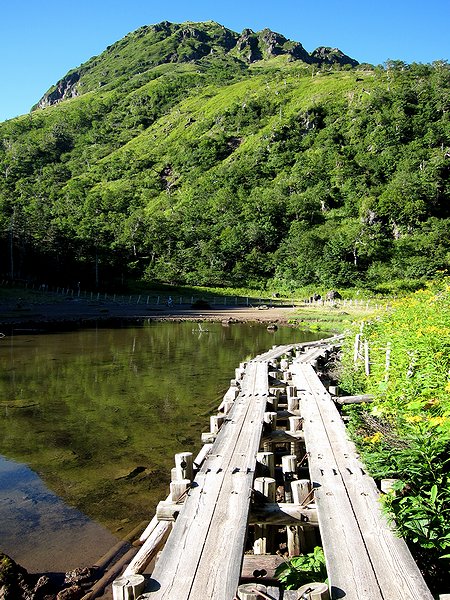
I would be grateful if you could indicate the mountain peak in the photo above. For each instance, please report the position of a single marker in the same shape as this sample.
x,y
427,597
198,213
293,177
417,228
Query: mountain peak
x,y
162,43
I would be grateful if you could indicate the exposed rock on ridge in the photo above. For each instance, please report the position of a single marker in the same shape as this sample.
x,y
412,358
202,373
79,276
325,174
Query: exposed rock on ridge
x,y
65,88
330,56
165,42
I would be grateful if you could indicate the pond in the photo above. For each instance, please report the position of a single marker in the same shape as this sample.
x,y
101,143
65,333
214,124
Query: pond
x,y
98,414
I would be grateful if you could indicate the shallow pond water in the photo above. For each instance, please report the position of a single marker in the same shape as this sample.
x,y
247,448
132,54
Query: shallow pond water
x,y
98,414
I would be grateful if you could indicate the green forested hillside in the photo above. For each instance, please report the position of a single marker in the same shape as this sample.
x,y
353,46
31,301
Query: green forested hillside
x,y
190,154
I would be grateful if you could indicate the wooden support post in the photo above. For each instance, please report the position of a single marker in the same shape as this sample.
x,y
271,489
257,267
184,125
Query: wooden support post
x,y
264,534
178,489
366,358
184,462
272,402
249,591
301,491
267,487
270,424
289,465
216,423
284,364
270,421
295,540
386,485
128,588
293,533
291,391
265,464
314,591
305,536
274,391
239,371
166,510
293,403
229,397
295,425
208,437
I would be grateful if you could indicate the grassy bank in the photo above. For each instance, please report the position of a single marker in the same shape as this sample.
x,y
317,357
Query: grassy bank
x,y
404,434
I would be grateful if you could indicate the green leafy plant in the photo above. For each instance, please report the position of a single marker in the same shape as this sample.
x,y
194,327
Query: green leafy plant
x,y
405,433
299,570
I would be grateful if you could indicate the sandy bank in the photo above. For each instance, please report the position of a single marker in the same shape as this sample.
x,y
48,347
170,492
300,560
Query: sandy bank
x,y
76,312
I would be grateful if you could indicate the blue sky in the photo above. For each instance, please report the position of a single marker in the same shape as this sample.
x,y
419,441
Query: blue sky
x,y
41,41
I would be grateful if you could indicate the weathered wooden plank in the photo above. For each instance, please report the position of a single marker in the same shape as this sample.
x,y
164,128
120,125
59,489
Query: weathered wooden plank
x,y
280,435
193,564
148,551
260,565
354,399
276,513
218,575
283,513
349,568
394,567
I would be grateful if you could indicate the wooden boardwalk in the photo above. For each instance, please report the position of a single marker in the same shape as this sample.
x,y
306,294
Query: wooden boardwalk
x,y
199,559
203,557
365,560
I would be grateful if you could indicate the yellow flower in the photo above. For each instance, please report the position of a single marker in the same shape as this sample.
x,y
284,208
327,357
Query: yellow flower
x,y
437,421
413,419
375,438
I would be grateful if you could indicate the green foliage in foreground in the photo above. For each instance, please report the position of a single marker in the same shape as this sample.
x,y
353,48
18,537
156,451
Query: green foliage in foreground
x,y
185,166
405,433
302,569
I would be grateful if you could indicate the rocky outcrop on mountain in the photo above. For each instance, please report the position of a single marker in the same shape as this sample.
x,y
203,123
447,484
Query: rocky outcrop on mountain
x,y
154,45
332,56
275,44
248,47
65,88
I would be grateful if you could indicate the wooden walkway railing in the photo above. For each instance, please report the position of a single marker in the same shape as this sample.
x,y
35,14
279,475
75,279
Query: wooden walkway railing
x,y
203,557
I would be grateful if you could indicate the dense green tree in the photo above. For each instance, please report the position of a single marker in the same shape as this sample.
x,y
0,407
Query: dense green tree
x,y
181,161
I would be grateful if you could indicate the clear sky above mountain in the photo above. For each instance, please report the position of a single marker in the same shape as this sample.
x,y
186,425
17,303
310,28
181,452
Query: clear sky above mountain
x,y
41,41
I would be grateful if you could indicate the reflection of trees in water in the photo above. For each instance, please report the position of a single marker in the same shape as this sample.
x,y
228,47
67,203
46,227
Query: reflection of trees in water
x,y
103,402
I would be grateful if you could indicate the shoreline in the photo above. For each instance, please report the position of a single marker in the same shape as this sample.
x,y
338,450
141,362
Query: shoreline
x,y
40,318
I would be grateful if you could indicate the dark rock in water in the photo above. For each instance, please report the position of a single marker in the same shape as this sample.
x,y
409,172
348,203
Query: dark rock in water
x,y
136,471
14,583
80,576
44,587
74,592
17,584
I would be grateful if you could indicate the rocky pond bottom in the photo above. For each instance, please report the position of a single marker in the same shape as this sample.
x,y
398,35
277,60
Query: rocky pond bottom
x,y
40,531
